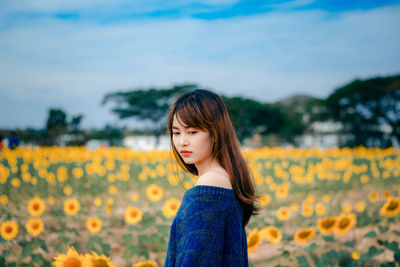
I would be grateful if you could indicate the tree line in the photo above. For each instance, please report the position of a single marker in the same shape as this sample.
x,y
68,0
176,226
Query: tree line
x,y
367,110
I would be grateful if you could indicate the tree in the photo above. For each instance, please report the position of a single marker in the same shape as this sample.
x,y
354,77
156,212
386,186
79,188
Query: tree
x,y
369,110
251,117
56,124
76,123
146,104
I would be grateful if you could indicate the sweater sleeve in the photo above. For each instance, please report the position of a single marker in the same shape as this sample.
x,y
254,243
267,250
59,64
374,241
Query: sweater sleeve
x,y
200,234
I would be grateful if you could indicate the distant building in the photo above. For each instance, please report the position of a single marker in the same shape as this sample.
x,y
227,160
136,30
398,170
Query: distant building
x,y
147,142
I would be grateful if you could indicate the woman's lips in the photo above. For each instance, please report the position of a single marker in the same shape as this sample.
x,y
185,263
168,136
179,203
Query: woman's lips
x,y
185,153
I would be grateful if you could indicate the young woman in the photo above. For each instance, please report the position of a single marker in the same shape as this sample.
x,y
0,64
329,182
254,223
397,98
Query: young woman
x,y
208,229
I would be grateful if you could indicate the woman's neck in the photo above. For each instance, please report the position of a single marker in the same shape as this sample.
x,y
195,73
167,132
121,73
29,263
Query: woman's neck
x,y
208,165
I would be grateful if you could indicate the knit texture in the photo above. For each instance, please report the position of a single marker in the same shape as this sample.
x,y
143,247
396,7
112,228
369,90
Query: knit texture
x,y
208,230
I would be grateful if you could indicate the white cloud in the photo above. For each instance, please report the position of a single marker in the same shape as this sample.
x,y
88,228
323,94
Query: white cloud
x,y
267,56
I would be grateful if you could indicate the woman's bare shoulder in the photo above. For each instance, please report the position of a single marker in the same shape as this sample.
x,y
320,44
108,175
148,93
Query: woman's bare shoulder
x,y
212,178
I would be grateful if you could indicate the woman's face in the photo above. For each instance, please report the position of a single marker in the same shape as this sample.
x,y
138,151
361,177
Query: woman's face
x,y
192,144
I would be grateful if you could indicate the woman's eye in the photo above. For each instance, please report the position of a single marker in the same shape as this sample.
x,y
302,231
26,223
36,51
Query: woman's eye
x,y
175,133
192,132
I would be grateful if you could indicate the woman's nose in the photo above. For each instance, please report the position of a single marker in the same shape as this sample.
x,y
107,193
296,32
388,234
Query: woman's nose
x,y
183,140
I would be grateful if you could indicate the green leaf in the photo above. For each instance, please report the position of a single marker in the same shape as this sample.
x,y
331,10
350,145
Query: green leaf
x,y
372,252
286,254
59,248
43,245
312,247
127,238
129,252
302,260
106,249
393,246
396,232
95,239
383,229
370,234
349,244
37,258
26,250
329,238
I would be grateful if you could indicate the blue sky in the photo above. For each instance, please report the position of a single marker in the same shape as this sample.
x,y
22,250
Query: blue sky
x,y
69,54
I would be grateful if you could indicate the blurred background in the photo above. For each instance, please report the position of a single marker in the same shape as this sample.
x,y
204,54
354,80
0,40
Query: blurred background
x,y
312,88
292,73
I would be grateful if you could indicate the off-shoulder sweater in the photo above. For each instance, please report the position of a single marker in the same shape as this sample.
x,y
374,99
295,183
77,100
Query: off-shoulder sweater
x,y
208,230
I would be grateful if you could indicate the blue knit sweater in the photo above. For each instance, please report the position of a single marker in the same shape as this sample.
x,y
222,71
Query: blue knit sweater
x,y
208,230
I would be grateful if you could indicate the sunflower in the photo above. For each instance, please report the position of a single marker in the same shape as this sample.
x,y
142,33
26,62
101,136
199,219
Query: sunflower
x,y
355,255
346,207
95,260
307,209
62,173
253,241
320,209
272,234
112,189
304,235
71,206
345,222
133,215
282,191
360,206
294,207
9,230
391,207
34,226
77,172
145,264
154,192
134,197
36,206
283,214
97,201
373,197
70,259
326,225
93,225
16,182
68,190
3,199
264,200
170,208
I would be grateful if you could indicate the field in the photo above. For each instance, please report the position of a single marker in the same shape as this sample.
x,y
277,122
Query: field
x,y
336,207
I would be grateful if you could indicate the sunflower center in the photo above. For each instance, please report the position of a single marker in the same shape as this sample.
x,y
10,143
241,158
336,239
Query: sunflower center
x,y
274,233
393,205
154,192
35,206
253,240
71,206
328,223
94,224
134,213
173,206
344,223
99,263
35,226
304,234
9,229
72,262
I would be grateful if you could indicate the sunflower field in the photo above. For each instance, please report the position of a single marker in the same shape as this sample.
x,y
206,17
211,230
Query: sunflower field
x,y
114,207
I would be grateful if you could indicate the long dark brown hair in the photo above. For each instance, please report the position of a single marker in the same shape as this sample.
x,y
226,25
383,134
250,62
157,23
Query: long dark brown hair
x,y
205,110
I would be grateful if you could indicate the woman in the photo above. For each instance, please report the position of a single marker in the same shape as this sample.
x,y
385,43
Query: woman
x,y
208,229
